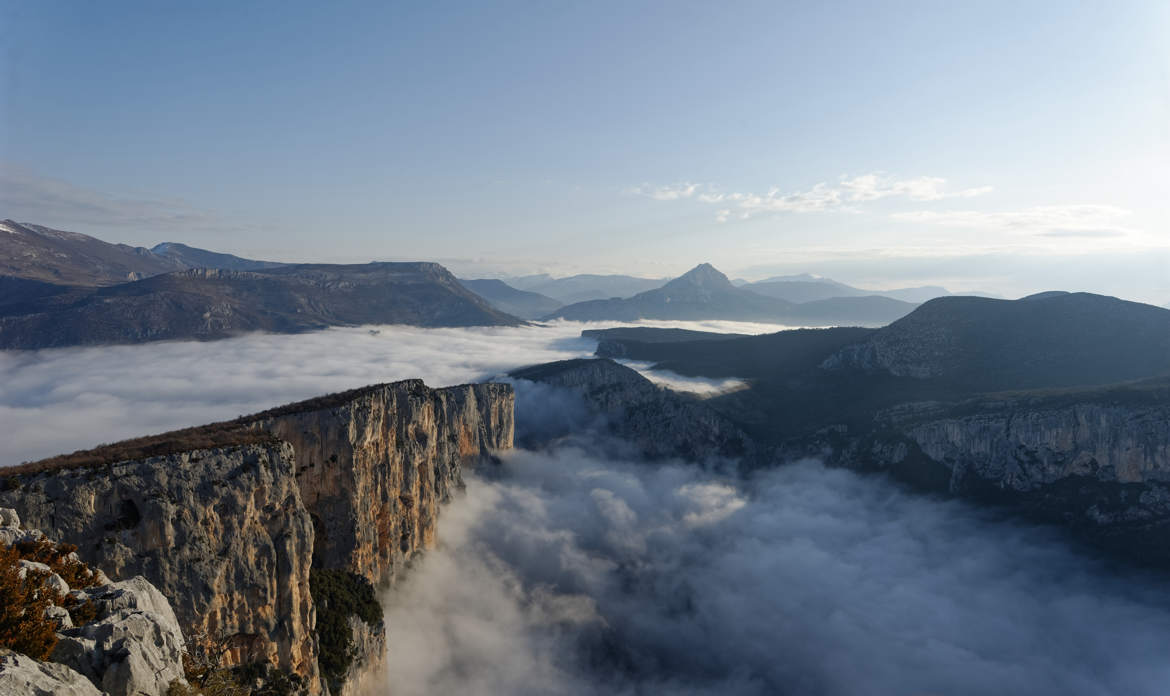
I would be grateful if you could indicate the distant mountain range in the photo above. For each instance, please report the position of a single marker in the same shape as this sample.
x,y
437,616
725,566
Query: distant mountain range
x,y
580,288
63,289
524,304
50,283
211,303
191,257
33,252
810,288
705,293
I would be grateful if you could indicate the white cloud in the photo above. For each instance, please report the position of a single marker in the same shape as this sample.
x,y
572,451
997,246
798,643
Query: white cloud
x,y
821,197
1074,221
109,393
874,186
671,192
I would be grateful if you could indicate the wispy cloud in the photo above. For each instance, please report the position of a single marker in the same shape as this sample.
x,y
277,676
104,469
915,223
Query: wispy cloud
x,y
823,196
670,192
35,198
1079,221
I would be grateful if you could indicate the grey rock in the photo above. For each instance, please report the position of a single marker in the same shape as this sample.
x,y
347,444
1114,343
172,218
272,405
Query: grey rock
x,y
128,652
21,675
60,616
9,518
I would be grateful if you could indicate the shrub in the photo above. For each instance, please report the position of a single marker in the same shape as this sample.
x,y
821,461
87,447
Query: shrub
x,y
338,595
23,601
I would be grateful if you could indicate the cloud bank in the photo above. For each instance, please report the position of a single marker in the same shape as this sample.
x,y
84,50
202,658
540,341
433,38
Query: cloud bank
x,y
821,197
574,569
60,400
572,573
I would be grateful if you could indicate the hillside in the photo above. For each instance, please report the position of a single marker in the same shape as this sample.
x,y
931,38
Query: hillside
x,y
209,304
521,303
43,254
809,288
585,286
1045,340
192,257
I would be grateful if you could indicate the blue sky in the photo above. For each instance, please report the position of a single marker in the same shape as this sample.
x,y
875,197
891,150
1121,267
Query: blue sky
x,y
1008,147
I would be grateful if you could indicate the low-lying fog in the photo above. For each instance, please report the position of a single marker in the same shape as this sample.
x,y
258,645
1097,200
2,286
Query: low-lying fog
x,y
565,571
60,400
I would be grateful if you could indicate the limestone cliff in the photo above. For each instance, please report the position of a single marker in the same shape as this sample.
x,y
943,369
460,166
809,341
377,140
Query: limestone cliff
x,y
658,421
221,532
373,466
1096,461
229,530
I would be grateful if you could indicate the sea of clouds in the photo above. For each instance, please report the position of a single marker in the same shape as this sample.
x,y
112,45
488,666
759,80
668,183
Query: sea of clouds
x,y
60,400
572,570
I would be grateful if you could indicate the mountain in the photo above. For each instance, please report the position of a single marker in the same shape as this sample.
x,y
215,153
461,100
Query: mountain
x,y
53,256
660,423
810,288
191,257
705,293
580,288
209,304
521,303
1054,405
1052,339
866,310
701,293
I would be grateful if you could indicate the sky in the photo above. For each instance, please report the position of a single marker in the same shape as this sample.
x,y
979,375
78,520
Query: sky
x,y
1007,147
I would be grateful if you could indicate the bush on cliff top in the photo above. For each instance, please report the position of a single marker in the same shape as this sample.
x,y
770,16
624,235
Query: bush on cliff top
x,y
23,601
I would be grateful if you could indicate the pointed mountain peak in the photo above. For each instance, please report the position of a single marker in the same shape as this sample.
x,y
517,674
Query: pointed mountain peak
x,y
704,275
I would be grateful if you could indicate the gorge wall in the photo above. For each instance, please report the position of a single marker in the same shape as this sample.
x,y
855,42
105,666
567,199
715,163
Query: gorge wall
x,y
229,533
1095,461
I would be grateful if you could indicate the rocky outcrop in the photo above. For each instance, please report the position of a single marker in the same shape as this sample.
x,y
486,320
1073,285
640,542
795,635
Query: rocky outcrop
x,y
128,643
1095,461
658,421
229,532
134,646
21,675
1025,449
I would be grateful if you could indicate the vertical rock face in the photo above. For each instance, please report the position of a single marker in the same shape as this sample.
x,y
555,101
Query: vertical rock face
x,y
1095,462
228,533
374,467
222,533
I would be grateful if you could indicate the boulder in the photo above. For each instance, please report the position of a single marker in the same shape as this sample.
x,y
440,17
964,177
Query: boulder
x,y
23,676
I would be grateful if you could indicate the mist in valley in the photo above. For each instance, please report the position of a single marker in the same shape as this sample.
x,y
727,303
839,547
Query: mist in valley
x,y
575,568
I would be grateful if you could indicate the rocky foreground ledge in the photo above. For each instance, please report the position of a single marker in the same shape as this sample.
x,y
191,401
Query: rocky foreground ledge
x,y
268,534
79,633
